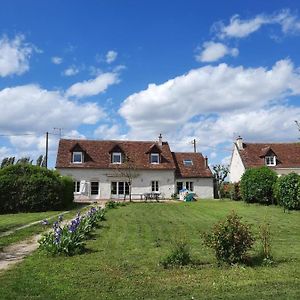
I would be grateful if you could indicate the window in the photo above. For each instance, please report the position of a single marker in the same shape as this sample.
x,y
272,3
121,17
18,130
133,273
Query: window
x,y
119,187
77,187
270,160
154,186
154,158
187,162
117,158
189,185
77,157
179,186
94,188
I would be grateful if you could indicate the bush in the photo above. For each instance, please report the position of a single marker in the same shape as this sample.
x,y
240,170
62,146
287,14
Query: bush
x,y
257,185
230,239
231,190
24,187
287,191
180,256
69,239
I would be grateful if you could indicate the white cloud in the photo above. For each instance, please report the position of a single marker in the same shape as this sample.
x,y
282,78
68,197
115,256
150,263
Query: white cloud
x,y
212,51
111,56
71,71
14,55
56,60
239,28
109,132
29,108
93,87
208,90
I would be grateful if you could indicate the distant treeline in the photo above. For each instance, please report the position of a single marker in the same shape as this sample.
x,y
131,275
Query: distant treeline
x,y
8,161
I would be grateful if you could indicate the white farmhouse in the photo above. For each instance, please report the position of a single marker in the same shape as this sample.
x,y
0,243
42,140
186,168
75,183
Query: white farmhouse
x,y
102,169
283,158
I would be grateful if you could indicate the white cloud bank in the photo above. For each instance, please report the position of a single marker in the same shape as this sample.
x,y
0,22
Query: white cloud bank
x,y
239,28
214,103
94,86
14,55
212,51
29,108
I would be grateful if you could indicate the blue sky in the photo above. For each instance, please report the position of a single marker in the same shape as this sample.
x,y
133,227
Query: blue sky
x,y
133,69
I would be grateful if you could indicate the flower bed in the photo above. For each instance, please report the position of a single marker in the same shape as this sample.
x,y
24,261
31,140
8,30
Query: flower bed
x,y
69,239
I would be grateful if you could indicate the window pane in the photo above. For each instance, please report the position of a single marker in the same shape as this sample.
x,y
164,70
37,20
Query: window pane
x,y
94,188
179,186
191,186
77,157
114,188
126,188
154,158
121,188
154,186
116,158
188,162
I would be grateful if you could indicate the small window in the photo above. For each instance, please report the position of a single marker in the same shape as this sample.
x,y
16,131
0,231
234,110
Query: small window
x,y
117,158
154,186
76,187
94,188
77,157
270,160
187,162
154,158
179,186
189,185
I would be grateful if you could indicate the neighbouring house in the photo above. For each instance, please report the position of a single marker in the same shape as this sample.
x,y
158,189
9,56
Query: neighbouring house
x,y
283,158
102,169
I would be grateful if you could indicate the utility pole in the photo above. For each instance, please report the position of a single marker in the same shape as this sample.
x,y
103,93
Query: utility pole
x,y
46,156
195,145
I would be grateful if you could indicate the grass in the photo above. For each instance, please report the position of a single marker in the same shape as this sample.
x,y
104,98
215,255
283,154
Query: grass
x,y
122,260
12,221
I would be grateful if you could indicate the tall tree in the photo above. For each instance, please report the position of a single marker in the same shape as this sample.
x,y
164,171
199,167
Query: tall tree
x,y
7,161
40,160
220,173
24,160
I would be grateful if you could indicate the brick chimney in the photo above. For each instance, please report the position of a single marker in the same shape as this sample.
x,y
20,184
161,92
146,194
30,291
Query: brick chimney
x,y
239,143
160,140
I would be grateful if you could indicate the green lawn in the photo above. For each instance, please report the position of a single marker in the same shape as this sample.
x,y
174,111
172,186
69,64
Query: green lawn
x,y
12,221
122,259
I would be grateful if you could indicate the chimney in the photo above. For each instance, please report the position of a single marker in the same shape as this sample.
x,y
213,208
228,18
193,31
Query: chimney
x,y
206,161
239,143
160,140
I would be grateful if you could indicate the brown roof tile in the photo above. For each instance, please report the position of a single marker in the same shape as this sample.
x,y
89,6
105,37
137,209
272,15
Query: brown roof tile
x,y
198,169
98,154
287,154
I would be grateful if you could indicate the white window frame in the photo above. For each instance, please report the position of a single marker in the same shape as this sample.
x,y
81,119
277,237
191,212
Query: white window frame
x,y
188,185
76,187
98,191
77,162
270,160
125,185
156,186
187,162
154,155
117,154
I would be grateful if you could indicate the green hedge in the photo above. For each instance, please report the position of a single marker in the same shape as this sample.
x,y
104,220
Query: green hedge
x,y
257,185
287,191
24,187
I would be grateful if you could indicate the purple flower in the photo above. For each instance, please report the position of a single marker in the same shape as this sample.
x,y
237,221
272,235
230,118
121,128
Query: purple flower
x,y
45,222
60,218
55,225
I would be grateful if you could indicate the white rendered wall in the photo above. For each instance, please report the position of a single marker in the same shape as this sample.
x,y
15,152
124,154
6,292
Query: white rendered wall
x,y
236,167
203,187
141,184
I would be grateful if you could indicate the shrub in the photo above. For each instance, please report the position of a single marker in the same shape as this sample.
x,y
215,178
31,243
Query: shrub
x,y
230,239
257,185
69,239
24,187
287,191
180,256
265,239
230,190
114,204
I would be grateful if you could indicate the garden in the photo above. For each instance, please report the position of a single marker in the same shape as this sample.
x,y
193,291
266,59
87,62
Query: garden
x,y
123,258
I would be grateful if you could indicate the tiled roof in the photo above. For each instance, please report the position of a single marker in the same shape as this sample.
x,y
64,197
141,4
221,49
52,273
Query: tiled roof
x,y
197,169
97,154
287,154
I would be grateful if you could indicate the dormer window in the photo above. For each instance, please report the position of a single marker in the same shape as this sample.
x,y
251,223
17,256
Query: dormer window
x,y
270,160
187,162
116,157
154,158
77,157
